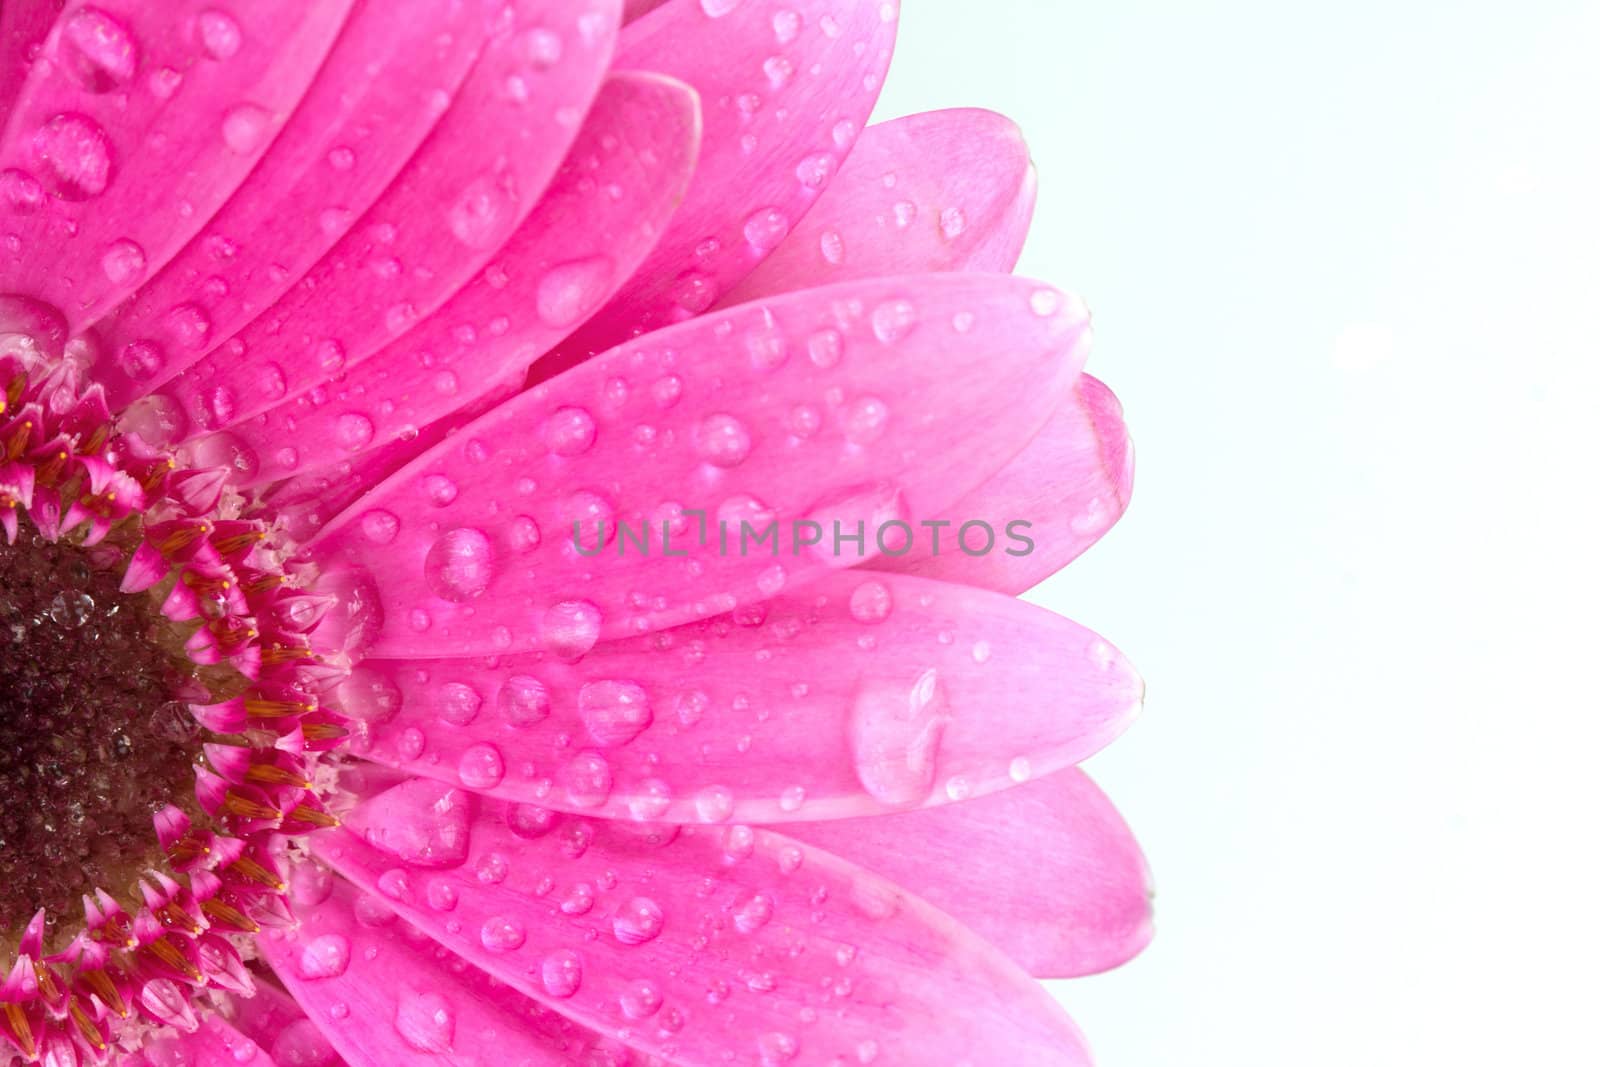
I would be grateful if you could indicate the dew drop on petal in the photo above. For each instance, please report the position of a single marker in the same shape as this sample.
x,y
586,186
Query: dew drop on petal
x,y
460,565
561,973
73,156
327,956
425,1021
895,734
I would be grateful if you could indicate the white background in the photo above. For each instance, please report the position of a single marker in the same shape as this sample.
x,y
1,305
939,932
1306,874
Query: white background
x,y
1345,265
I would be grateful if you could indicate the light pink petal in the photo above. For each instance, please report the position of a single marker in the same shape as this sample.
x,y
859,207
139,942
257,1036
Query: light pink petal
x,y
277,1023
385,995
861,694
1048,871
946,190
701,945
454,205
1070,485
137,123
787,86
361,119
840,406
622,179
214,1044
23,25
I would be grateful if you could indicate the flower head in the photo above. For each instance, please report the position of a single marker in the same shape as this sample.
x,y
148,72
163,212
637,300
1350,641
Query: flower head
x,y
511,510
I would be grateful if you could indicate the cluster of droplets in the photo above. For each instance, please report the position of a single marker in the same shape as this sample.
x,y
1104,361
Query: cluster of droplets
x,y
164,701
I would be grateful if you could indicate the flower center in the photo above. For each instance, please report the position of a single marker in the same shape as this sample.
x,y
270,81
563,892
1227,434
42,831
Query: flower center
x,y
161,715
94,736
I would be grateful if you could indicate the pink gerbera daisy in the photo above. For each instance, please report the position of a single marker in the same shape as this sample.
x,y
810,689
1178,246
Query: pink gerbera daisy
x,y
371,696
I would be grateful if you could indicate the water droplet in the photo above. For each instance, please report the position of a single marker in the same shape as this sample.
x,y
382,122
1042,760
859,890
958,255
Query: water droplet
x,y
562,973
458,703
368,696
327,956
871,602
569,431
1045,302
570,291
481,767
73,156
714,804
766,228
354,431
752,912
440,490
380,526
423,822
123,262
587,779
831,245
865,420
570,628
245,128
722,440
425,1021
786,26
893,320
502,934
482,215
98,51
640,999
614,712
895,733
952,223
694,292
219,34
638,921
523,701
717,8
460,565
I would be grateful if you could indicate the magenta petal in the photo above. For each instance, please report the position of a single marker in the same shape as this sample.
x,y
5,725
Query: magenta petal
x,y
1048,871
384,995
946,190
362,118
788,84
23,26
1071,484
622,179
861,694
277,1023
715,945
215,1044
139,127
453,206
815,406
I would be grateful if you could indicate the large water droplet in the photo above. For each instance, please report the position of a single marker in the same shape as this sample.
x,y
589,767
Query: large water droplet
x,y
98,51
245,128
123,262
895,733
723,440
327,956
523,700
482,215
73,156
425,823
219,33
481,767
570,628
460,565
562,973
570,291
638,921
614,712
425,1021
502,934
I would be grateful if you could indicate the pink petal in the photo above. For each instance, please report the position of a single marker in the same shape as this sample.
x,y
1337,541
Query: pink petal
x,y
385,995
23,25
622,179
800,408
946,190
788,84
1071,484
143,121
1048,871
454,205
859,695
214,1044
711,945
362,118
277,1023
